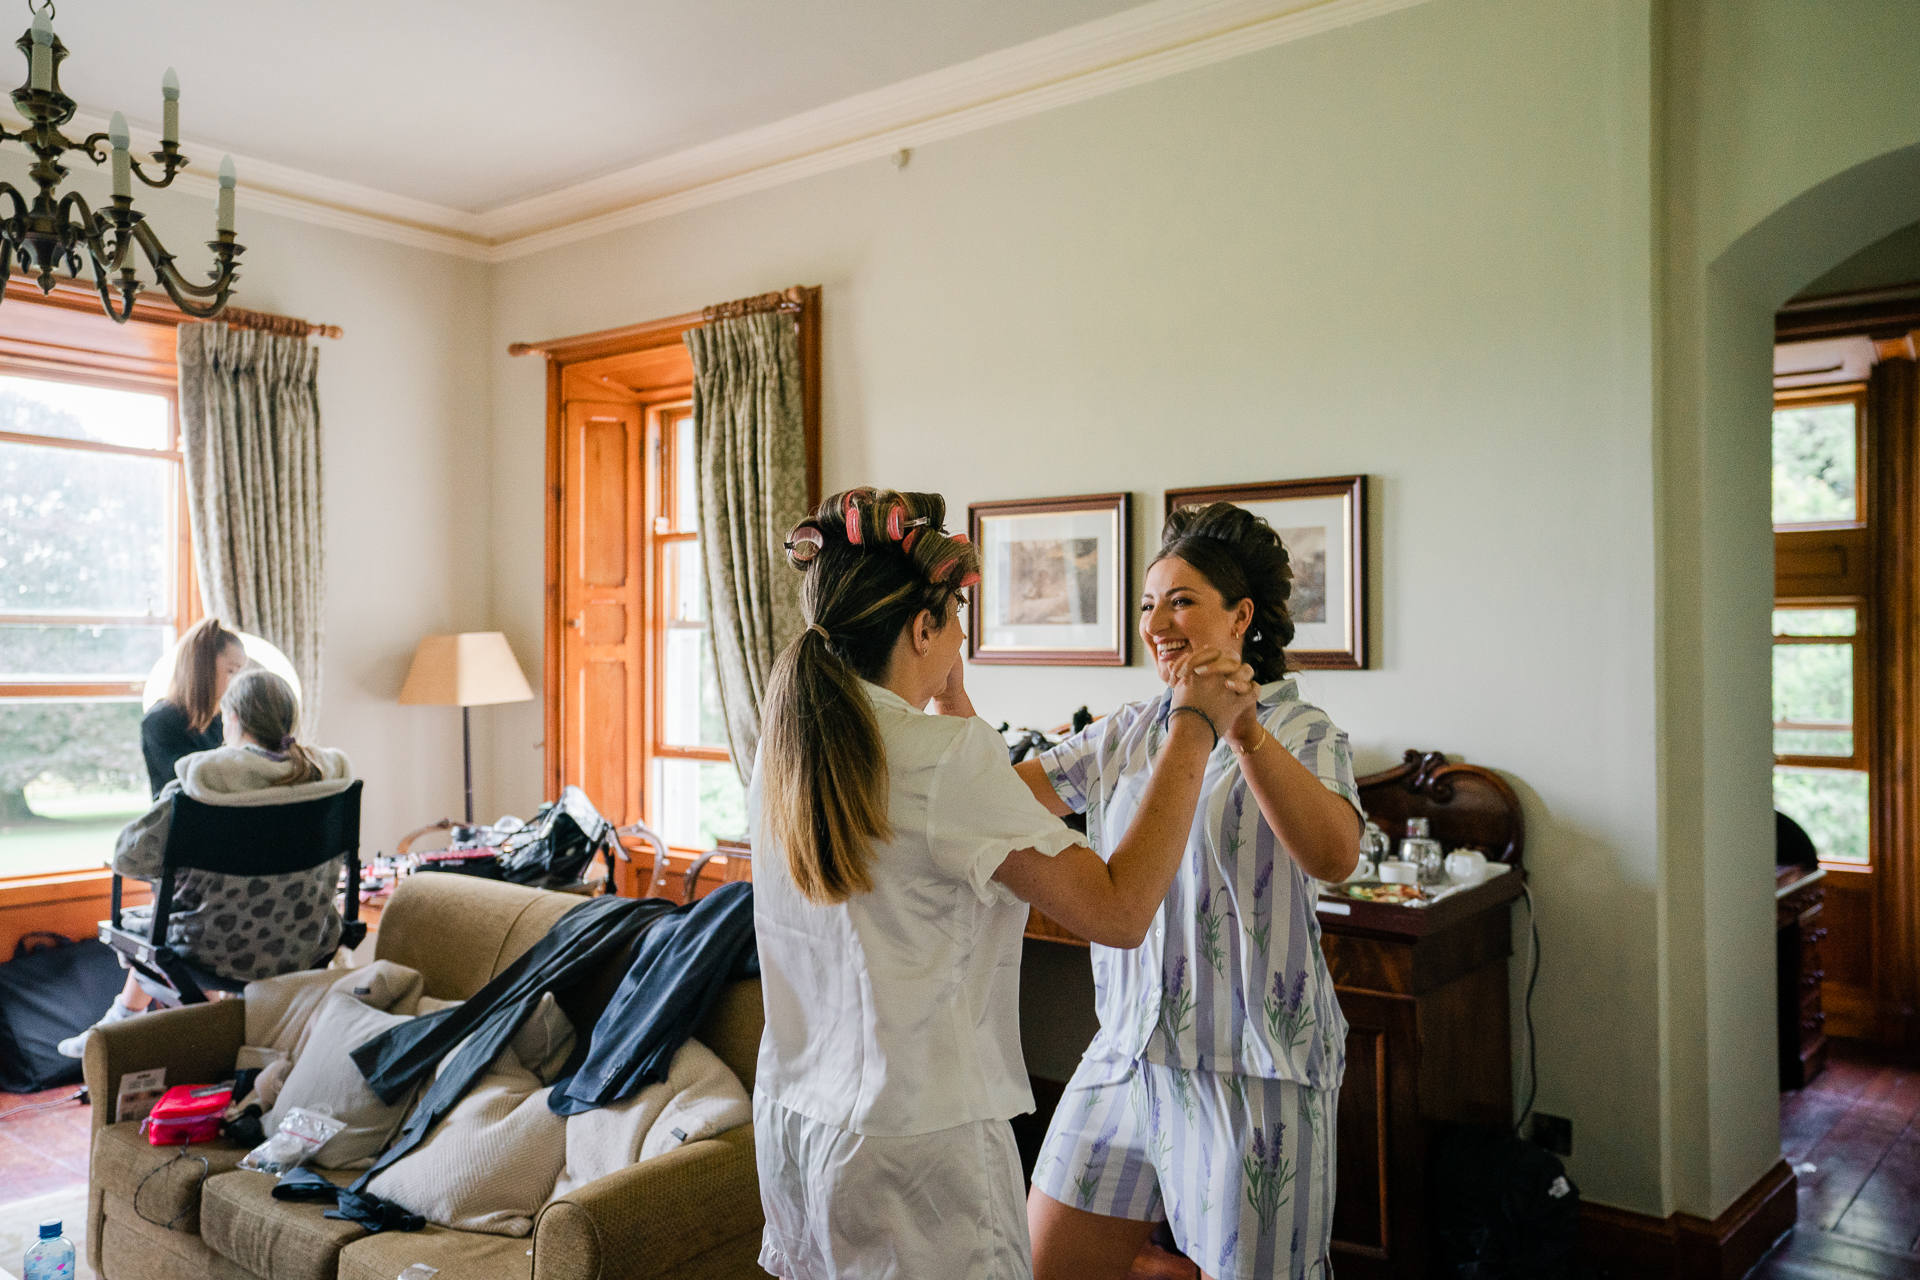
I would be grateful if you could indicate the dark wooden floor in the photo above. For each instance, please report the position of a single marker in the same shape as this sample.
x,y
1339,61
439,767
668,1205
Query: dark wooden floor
x,y
1853,1137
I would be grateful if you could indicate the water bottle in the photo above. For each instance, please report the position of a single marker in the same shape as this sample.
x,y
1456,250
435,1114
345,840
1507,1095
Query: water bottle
x,y
52,1258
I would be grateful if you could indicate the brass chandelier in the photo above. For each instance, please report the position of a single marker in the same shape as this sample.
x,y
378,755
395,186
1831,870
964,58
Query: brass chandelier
x,y
41,237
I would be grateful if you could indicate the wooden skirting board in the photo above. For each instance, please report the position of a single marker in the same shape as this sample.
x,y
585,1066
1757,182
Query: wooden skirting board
x,y
1685,1247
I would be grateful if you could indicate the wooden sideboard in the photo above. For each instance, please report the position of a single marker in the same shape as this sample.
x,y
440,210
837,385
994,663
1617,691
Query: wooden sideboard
x,y
1799,907
1424,991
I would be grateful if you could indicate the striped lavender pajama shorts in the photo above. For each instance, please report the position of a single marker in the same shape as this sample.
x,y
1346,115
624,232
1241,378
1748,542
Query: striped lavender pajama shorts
x,y
1240,1168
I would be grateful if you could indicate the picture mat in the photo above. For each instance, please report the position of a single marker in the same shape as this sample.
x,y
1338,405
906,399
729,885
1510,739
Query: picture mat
x,y
1061,575
1329,625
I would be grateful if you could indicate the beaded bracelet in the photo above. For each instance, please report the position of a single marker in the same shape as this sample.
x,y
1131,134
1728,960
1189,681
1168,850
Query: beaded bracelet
x,y
1203,715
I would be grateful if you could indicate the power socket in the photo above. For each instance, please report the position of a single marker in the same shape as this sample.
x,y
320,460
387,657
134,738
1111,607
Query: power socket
x,y
1555,1133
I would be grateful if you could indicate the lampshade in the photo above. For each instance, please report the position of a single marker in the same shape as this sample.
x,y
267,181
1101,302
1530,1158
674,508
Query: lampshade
x,y
471,669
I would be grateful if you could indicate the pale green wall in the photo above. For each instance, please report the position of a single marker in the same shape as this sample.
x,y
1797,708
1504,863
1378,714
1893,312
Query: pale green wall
x,y
1518,261
1788,144
404,403
1894,260
1414,248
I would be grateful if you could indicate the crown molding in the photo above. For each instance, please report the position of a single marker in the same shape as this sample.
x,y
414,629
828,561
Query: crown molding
x,y
1143,44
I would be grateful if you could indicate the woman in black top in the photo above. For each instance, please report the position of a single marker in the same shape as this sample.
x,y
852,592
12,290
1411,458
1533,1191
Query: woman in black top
x,y
188,718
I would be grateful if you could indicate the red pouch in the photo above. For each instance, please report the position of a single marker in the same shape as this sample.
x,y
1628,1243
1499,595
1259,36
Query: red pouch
x,y
187,1113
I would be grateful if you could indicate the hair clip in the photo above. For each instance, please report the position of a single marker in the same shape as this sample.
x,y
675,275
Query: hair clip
x,y
805,544
852,519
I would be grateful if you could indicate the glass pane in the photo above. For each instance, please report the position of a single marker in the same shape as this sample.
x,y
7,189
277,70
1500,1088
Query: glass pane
x,y
71,412
71,776
699,803
1831,804
686,476
684,590
1813,742
691,687
96,653
1813,683
82,532
1814,622
1814,464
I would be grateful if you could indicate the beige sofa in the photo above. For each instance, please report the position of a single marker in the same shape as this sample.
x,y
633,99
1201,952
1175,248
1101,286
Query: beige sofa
x,y
692,1214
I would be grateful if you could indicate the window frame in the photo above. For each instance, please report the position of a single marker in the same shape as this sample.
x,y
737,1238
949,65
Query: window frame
x,y
66,339
1827,564
668,526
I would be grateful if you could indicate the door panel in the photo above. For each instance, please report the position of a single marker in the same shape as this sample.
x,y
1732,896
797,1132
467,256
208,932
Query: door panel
x,y
602,576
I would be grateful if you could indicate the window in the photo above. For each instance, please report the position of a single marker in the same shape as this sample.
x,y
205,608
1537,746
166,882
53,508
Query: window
x,y
695,792
93,588
1820,665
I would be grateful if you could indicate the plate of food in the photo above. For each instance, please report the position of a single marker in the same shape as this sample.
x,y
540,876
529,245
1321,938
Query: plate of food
x,y
1374,891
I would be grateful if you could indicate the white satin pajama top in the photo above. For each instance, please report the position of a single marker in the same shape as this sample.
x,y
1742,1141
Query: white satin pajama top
x,y
897,1012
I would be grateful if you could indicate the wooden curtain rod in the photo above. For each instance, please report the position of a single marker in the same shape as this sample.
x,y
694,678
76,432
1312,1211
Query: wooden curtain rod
x,y
266,322
793,299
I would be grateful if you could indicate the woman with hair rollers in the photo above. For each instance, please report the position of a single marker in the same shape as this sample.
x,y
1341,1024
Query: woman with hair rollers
x,y
1208,1097
895,854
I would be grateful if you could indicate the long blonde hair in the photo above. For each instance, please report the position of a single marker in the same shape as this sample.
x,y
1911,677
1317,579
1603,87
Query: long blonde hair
x,y
263,707
874,560
194,672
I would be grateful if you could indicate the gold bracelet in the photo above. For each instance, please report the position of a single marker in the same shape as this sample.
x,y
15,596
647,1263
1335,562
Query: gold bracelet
x,y
1264,735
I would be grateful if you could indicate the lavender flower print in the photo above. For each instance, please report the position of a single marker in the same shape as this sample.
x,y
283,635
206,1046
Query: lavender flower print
x,y
1211,948
1176,1010
1268,1175
1183,1091
1088,1182
1289,1016
1262,927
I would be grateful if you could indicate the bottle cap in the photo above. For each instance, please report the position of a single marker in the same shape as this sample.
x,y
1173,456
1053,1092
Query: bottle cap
x,y
50,1229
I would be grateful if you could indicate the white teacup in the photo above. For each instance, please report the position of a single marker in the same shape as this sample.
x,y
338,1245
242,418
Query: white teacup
x,y
1392,872
1466,867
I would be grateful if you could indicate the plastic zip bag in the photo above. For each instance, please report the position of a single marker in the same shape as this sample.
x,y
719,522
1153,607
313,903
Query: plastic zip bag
x,y
302,1132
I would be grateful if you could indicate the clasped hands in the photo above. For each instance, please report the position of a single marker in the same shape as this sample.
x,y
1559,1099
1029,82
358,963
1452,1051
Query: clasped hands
x,y
1222,688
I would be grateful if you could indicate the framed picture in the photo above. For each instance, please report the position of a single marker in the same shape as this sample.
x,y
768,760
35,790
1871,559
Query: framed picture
x,y
1323,525
1053,581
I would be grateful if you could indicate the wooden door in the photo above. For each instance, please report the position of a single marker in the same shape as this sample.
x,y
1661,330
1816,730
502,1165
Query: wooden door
x,y
602,506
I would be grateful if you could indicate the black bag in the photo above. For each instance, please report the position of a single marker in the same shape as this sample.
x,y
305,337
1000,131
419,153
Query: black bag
x,y
558,846
46,995
1501,1208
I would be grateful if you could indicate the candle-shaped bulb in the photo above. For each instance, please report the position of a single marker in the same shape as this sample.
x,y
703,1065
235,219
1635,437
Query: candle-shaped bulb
x,y
170,107
227,181
122,162
41,70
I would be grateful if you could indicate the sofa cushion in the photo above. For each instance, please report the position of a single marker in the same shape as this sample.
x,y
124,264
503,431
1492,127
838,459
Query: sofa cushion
x,y
461,931
280,1010
490,1163
699,1098
460,1255
167,1187
279,1239
325,1078
130,1247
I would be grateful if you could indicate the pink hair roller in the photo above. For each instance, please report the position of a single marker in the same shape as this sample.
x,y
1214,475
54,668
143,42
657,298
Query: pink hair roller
x,y
970,580
913,536
805,544
958,537
853,520
896,520
945,567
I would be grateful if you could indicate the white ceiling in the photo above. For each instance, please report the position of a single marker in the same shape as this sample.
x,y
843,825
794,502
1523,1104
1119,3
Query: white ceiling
x,y
475,104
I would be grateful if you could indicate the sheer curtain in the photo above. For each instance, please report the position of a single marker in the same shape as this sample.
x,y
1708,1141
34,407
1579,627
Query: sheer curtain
x,y
250,433
750,438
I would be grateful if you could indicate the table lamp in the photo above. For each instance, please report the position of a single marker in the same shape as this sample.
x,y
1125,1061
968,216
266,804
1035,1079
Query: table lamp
x,y
472,669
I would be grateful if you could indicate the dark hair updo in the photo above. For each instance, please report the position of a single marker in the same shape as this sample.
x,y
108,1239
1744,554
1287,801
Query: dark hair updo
x,y
1241,556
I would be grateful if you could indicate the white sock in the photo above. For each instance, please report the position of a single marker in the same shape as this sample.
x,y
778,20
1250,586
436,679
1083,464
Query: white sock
x,y
120,1011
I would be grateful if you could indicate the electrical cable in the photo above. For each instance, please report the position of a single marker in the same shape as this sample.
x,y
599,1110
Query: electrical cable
x,y
35,1107
1533,976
